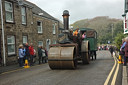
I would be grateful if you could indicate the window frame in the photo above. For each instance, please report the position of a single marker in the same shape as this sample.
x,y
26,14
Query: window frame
x,y
54,42
23,39
14,43
54,29
41,42
39,26
48,44
11,21
23,15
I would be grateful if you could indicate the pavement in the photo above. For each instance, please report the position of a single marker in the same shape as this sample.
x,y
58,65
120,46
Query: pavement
x,y
124,75
4,69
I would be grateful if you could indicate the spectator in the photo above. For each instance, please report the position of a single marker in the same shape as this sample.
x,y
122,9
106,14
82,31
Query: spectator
x,y
0,60
43,55
111,50
123,45
40,54
24,50
122,52
46,58
34,57
100,47
21,55
31,51
126,51
27,54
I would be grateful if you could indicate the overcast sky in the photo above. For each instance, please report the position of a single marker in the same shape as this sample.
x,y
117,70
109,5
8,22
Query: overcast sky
x,y
82,9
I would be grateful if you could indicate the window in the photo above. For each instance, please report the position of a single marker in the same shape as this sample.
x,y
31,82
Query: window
x,y
54,41
54,29
9,11
11,45
39,26
25,39
40,43
23,15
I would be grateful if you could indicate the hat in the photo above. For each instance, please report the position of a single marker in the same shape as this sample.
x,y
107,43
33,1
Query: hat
x,y
20,45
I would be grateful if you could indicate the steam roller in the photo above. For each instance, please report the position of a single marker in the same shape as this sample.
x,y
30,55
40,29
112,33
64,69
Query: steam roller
x,y
68,52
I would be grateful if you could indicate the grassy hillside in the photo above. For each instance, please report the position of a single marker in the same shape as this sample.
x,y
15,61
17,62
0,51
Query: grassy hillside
x,y
103,25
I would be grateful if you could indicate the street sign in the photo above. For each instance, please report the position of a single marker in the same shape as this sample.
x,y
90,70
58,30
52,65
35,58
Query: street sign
x,y
125,23
125,31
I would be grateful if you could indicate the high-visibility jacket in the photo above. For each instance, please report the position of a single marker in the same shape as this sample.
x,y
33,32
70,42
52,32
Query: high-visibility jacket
x,y
75,33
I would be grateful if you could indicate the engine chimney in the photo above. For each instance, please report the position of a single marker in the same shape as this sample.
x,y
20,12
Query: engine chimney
x,y
66,19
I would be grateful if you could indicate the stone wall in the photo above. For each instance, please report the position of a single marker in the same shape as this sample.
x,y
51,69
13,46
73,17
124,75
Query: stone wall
x,y
30,30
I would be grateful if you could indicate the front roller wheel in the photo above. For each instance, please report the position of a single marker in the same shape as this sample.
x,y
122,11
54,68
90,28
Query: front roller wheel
x,y
62,58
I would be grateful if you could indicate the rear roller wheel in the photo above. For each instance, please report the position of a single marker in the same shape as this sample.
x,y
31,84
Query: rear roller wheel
x,y
95,54
85,57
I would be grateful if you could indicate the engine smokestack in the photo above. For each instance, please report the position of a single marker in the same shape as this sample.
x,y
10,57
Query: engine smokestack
x,y
66,19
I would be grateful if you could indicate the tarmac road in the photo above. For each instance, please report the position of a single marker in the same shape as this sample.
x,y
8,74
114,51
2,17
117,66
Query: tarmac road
x,y
94,73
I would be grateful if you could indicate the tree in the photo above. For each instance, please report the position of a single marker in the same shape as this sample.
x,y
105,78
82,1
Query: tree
x,y
118,40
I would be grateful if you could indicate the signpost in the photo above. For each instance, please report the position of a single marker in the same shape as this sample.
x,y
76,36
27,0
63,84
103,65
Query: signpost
x,y
125,17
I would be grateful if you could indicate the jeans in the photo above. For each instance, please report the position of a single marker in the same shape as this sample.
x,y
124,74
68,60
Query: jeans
x,y
31,59
40,59
21,62
125,60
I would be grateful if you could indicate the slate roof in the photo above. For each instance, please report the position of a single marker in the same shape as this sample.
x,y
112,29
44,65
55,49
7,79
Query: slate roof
x,y
36,10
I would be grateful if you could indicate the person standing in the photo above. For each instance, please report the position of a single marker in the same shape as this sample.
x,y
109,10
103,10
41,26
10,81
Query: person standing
x,y
24,50
76,32
70,35
43,55
27,54
46,55
31,51
111,50
0,61
21,55
84,35
126,51
40,53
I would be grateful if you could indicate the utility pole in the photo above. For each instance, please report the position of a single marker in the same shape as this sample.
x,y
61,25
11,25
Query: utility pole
x,y
2,25
112,30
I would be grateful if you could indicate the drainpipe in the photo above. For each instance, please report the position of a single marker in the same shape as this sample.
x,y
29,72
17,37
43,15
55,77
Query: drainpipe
x,y
2,25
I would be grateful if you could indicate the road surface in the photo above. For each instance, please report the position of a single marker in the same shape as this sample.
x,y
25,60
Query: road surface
x,y
94,73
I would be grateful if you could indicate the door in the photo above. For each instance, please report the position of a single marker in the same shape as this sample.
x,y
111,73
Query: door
x,y
48,42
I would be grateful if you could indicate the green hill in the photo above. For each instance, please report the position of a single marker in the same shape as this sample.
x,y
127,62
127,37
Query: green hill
x,y
103,25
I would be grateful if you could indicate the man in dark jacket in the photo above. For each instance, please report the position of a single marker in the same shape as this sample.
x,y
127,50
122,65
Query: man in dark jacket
x,y
40,53
111,50
27,54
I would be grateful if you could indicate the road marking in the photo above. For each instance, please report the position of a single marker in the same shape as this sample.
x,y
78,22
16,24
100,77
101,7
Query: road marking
x,y
110,74
11,71
115,75
18,70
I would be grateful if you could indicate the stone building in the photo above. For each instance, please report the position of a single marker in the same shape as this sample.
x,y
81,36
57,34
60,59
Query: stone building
x,y
25,23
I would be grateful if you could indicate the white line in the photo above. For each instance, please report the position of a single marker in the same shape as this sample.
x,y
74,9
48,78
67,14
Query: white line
x,y
110,74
